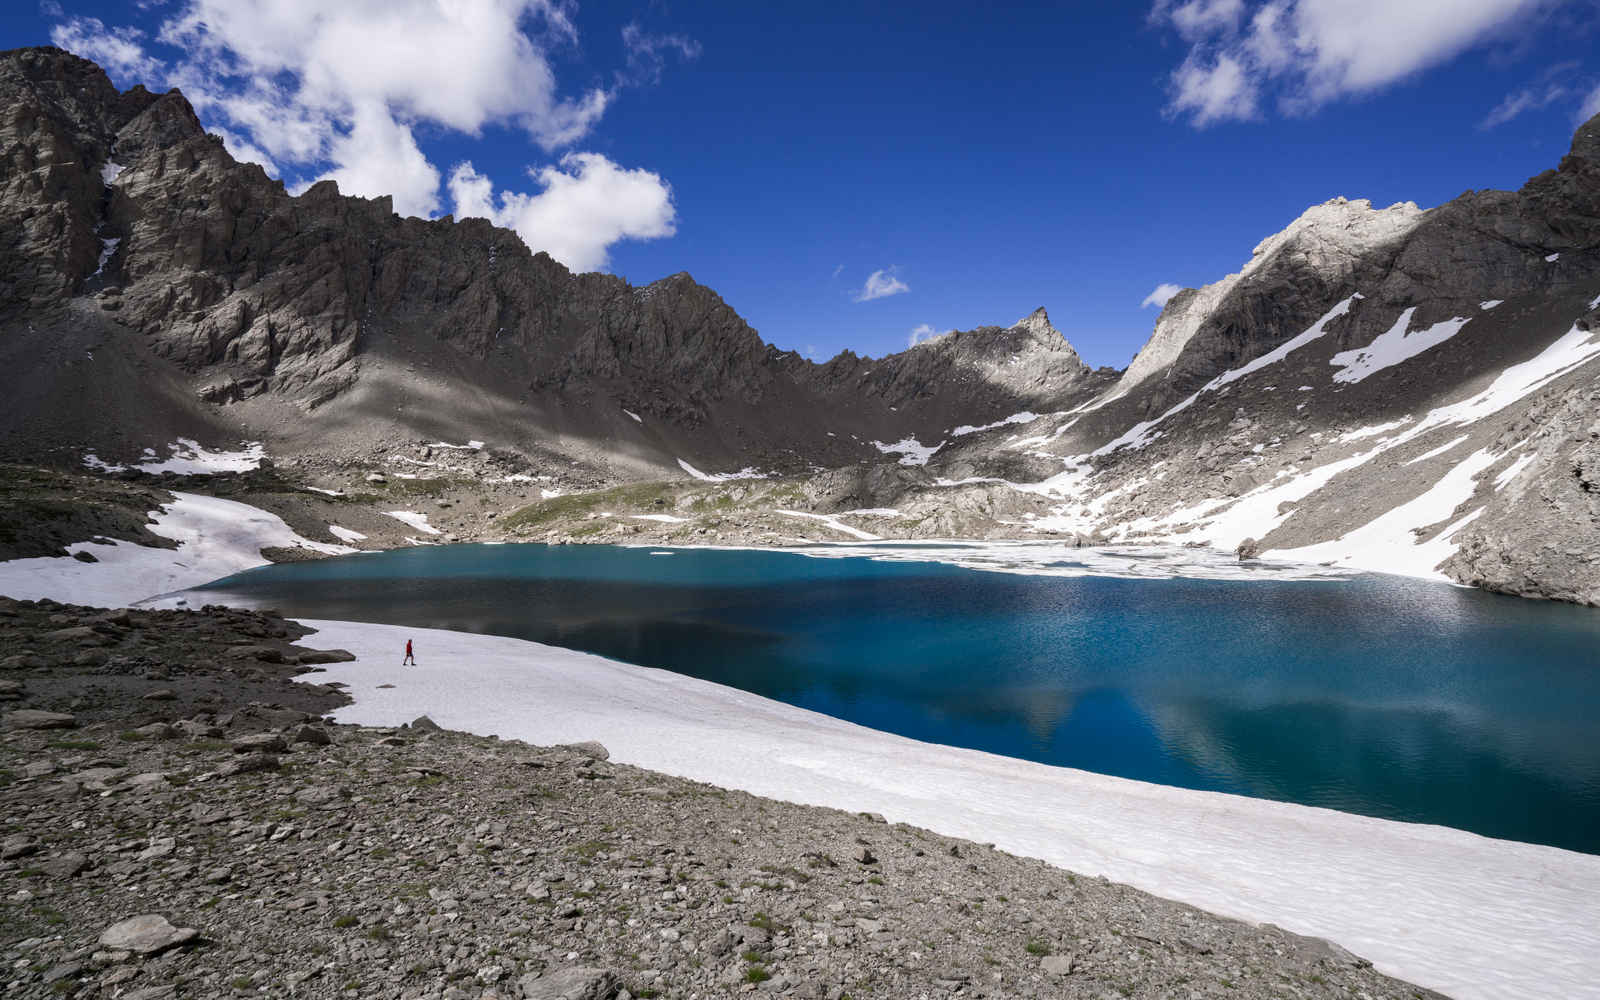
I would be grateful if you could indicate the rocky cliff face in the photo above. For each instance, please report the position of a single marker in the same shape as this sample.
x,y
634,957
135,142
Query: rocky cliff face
x,y
1393,388
133,227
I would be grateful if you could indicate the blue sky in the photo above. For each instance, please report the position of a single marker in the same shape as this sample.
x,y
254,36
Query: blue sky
x,y
980,160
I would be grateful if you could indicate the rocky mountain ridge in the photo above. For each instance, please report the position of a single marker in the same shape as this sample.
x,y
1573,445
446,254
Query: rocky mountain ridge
x,y
1400,389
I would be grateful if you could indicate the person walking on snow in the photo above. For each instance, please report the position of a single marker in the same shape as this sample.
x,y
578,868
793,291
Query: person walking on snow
x,y
409,658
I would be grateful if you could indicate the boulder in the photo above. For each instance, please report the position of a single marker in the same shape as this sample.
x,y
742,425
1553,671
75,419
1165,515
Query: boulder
x,y
326,656
320,795
82,634
260,743
246,765
280,718
28,718
578,982
18,845
266,654
592,748
1057,965
312,735
426,724
146,934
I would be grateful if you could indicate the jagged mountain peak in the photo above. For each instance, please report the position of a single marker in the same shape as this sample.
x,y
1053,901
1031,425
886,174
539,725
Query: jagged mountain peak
x,y
1037,322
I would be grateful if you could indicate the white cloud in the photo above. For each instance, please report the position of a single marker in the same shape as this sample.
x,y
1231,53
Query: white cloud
x,y
1161,296
880,284
1551,86
924,332
587,205
245,151
645,58
1591,106
1311,52
462,64
118,50
380,155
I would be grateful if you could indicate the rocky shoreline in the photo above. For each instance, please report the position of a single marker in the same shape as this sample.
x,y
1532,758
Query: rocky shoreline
x,y
269,851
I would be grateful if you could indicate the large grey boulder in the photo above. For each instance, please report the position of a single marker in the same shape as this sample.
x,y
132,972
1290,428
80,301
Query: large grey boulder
x,y
1057,965
146,934
578,982
592,748
30,718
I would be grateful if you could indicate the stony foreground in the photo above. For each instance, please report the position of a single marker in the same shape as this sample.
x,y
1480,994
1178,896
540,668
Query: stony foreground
x,y
419,863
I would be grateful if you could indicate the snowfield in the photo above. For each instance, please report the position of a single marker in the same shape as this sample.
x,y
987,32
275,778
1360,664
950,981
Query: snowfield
x,y
1471,917
217,538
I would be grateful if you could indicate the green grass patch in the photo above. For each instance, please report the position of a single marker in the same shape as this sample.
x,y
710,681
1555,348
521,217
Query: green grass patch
x,y
1038,947
640,495
793,873
757,974
73,744
207,746
343,922
132,737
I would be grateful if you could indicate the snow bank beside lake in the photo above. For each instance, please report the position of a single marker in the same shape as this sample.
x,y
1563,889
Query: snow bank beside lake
x,y
1472,917
216,538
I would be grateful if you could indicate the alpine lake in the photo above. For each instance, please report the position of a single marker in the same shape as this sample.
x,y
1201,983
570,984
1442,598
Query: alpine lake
x,y
1386,696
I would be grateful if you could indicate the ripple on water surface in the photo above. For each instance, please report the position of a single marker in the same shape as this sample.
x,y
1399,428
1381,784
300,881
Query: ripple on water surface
x,y
1380,695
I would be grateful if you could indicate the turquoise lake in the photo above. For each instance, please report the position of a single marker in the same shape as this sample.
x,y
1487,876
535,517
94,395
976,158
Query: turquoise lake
x,y
1379,695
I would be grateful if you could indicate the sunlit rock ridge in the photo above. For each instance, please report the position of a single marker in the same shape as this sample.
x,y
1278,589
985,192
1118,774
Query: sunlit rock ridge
x,y
1400,389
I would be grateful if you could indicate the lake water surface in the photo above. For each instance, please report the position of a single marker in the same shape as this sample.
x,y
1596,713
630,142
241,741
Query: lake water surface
x,y
1379,695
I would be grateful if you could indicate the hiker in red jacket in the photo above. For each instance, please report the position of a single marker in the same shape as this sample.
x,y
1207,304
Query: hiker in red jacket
x,y
409,658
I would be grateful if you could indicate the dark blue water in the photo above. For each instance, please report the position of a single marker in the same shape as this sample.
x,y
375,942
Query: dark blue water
x,y
1377,695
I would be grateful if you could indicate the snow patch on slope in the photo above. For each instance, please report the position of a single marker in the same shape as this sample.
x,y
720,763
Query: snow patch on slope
x,y
1016,418
747,472
1388,543
216,538
1393,347
188,458
910,450
832,521
1143,433
413,518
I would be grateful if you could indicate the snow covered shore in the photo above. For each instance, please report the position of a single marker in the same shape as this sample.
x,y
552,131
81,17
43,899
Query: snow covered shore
x,y
1474,918
1462,914
216,538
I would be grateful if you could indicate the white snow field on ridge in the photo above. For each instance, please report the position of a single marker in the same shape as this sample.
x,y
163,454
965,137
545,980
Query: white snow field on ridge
x,y
1474,918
